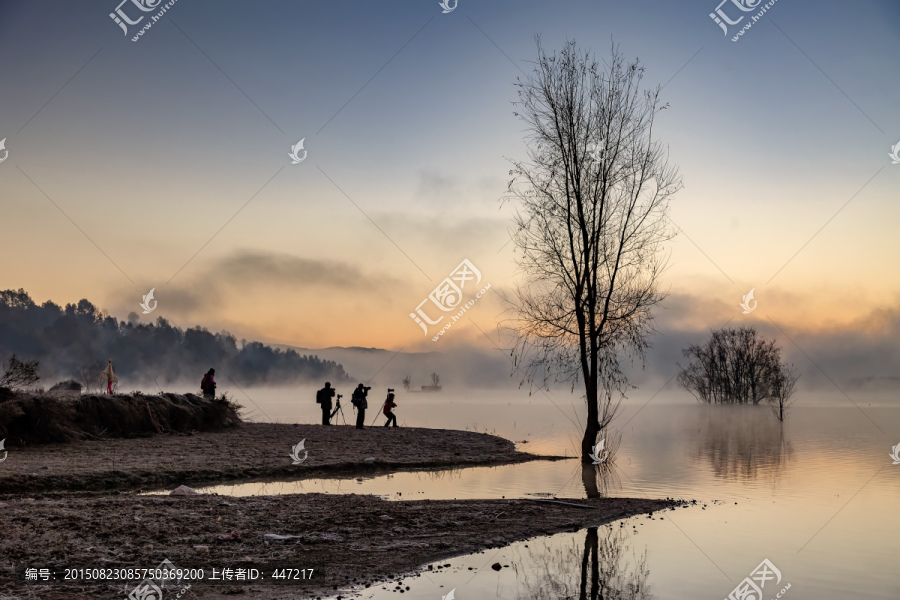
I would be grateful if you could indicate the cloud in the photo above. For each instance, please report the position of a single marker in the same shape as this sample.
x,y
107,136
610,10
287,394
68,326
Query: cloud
x,y
246,272
443,188
265,268
855,354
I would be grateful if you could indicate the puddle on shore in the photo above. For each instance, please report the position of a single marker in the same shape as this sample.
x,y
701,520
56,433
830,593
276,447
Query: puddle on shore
x,y
609,562
522,480
815,496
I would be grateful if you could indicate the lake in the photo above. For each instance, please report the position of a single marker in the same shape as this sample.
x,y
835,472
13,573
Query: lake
x,y
816,497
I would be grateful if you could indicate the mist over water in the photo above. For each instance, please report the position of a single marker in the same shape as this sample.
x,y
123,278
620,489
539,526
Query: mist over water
x,y
816,496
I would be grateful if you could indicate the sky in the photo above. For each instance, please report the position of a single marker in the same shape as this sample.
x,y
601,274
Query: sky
x,y
164,163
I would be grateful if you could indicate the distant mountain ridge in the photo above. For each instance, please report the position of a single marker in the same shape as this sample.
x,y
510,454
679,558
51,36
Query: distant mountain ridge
x,y
76,341
457,367
378,366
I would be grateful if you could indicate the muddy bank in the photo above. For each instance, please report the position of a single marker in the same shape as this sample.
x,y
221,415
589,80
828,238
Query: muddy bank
x,y
29,418
247,451
347,541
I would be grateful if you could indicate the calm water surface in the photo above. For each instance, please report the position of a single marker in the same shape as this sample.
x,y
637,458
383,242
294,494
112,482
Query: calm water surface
x,y
818,497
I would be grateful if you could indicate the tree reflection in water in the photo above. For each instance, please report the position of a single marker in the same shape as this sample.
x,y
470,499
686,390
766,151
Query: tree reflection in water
x,y
605,567
599,479
743,442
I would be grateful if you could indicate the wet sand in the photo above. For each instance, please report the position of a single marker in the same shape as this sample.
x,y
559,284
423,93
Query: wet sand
x,y
247,452
347,541
49,521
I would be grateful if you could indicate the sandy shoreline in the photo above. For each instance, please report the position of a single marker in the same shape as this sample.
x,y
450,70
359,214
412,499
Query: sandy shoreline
x,y
247,452
347,541
76,505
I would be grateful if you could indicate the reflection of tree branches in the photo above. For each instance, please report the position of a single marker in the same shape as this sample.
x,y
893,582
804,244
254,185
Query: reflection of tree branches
x,y
601,569
743,443
600,478
438,474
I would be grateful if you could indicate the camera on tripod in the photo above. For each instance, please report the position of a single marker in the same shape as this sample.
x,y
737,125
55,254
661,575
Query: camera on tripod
x,y
390,390
339,396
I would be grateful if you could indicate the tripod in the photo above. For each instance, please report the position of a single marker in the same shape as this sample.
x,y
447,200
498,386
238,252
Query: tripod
x,y
335,411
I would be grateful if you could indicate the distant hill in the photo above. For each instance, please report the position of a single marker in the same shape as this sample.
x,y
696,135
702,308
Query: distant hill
x,y
875,383
458,368
76,341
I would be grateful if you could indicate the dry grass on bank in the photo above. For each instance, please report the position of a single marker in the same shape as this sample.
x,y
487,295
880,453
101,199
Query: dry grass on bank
x,y
38,418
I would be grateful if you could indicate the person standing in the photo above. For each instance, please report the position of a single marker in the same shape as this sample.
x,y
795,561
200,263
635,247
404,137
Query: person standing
x,y
388,405
110,377
208,384
359,401
323,397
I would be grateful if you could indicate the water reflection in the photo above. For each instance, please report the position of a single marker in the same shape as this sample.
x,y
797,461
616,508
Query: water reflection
x,y
743,442
599,479
605,567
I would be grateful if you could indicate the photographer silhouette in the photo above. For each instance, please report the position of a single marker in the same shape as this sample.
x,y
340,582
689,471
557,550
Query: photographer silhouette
x,y
359,401
323,398
388,405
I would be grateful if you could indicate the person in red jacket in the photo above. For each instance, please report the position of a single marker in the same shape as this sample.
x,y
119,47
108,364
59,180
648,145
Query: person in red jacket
x,y
110,377
388,405
208,384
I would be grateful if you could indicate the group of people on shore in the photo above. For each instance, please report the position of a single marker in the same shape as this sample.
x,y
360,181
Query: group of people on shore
x,y
360,402
207,384
324,397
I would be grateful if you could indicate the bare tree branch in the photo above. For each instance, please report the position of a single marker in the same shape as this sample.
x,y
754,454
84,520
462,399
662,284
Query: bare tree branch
x,y
591,201
19,373
737,366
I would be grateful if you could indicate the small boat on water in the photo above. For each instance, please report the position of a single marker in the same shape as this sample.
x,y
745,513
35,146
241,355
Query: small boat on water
x,y
434,387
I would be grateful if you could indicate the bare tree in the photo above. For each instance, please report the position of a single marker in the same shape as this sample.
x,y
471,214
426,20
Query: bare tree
x,y
738,366
592,201
783,384
435,379
407,381
87,376
18,373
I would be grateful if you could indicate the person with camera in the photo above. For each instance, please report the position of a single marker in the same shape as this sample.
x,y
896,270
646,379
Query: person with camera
x,y
323,398
388,405
361,404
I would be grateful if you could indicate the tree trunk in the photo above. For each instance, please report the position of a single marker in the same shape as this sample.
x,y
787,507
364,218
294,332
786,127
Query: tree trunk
x,y
593,541
591,428
584,571
591,549
589,479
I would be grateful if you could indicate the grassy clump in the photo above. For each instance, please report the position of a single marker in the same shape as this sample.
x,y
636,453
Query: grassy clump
x,y
39,418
